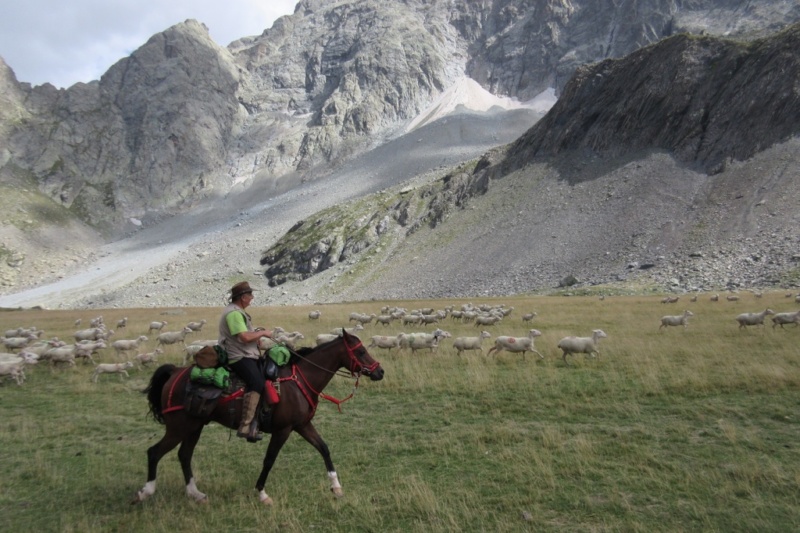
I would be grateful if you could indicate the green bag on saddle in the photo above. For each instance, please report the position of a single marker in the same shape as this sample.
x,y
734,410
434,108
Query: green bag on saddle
x,y
280,354
217,377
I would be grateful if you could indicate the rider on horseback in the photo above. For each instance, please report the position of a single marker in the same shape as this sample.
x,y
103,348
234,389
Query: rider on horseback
x,y
238,337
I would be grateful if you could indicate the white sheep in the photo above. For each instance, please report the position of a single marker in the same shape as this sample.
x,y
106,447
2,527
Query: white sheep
x,y
156,326
517,344
16,343
527,317
675,320
196,326
487,320
785,318
386,342
61,354
470,343
351,331
13,370
322,338
122,322
126,345
753,319
145,359
86,349
314,315
422,341
191,350
112,368
172,337
732,298
92,334
587,345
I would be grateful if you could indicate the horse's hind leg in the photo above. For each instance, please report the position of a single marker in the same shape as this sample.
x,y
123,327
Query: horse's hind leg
x,y
154,455
185,457
309,432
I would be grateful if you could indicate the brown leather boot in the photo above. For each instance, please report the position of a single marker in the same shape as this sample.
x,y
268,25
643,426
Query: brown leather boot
x,y
248,427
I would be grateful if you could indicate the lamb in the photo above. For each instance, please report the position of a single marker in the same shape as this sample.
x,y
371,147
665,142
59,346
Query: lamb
x,y
785,318
121,323
196,326
125,345
587,345
517,344
470,343
675,320
156,326
753,319
172,337
386,342
527,317
314,315
112,368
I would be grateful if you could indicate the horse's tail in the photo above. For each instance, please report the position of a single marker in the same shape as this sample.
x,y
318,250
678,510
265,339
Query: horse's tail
x,y
153,390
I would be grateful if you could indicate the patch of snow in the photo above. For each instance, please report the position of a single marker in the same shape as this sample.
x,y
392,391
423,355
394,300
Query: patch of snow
x,y
468,93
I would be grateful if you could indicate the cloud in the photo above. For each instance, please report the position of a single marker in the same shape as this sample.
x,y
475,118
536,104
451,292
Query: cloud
x,y
66,42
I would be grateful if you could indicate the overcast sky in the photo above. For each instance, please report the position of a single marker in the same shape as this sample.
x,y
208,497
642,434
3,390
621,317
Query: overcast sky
x,y
66,42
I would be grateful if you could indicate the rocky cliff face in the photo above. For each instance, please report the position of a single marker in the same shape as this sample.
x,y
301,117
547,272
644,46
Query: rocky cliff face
x,y
182,118
682,150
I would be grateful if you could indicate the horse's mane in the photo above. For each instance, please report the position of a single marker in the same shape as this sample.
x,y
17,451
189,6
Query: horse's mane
x,y
300,353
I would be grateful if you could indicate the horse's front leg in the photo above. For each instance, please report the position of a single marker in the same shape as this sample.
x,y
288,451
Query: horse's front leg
x,y
276,442
309,432
154,455
185,453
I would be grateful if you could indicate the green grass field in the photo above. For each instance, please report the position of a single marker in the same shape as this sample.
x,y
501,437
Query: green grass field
x,y
677,430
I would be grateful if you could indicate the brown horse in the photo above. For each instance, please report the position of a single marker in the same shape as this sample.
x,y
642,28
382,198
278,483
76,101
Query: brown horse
x,y
302,382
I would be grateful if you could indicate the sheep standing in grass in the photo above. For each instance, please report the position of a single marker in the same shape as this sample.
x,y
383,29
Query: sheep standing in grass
x,y
462,344
517,344
122,322
112,368
785,318
126,345
676,320
527,317
196,326
156,326
314,315
587,345
753,319
172,337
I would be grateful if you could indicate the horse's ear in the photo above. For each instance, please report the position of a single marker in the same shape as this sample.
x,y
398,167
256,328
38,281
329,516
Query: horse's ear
x,y
344,333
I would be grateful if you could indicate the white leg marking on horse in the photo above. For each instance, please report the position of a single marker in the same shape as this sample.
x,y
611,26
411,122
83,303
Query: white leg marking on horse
x,y
148,490
192,492
336,488
263,498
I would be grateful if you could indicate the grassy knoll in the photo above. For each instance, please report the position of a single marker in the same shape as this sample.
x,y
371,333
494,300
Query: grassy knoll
x,y
678,430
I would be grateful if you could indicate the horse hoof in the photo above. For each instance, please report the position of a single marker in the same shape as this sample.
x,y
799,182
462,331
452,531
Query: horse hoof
x,y
203,500
266,500
338,492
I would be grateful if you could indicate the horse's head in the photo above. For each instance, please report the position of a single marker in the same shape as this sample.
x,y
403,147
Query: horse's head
x,y
360,361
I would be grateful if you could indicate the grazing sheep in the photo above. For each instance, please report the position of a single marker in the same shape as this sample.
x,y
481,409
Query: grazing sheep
x,y
112,368
386,342
517,344
126,345
196,326
314,315
121,323
675,320
753,319
670,299
527,317
587,345
785,318
714,298
470,343
156,326
732,298
172,337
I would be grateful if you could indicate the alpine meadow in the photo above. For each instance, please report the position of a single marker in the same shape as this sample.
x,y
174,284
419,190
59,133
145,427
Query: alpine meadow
x,y
667,429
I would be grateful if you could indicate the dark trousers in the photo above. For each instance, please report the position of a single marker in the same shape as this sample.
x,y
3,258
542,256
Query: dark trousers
x,y
247,369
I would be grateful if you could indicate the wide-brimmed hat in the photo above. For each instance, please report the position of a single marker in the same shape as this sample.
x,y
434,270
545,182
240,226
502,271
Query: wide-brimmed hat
x,y
239,289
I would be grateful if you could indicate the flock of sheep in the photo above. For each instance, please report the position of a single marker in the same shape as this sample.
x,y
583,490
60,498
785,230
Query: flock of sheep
x,y
25,346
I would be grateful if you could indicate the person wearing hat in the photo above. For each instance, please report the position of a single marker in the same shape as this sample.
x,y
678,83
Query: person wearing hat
x,y
238,337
